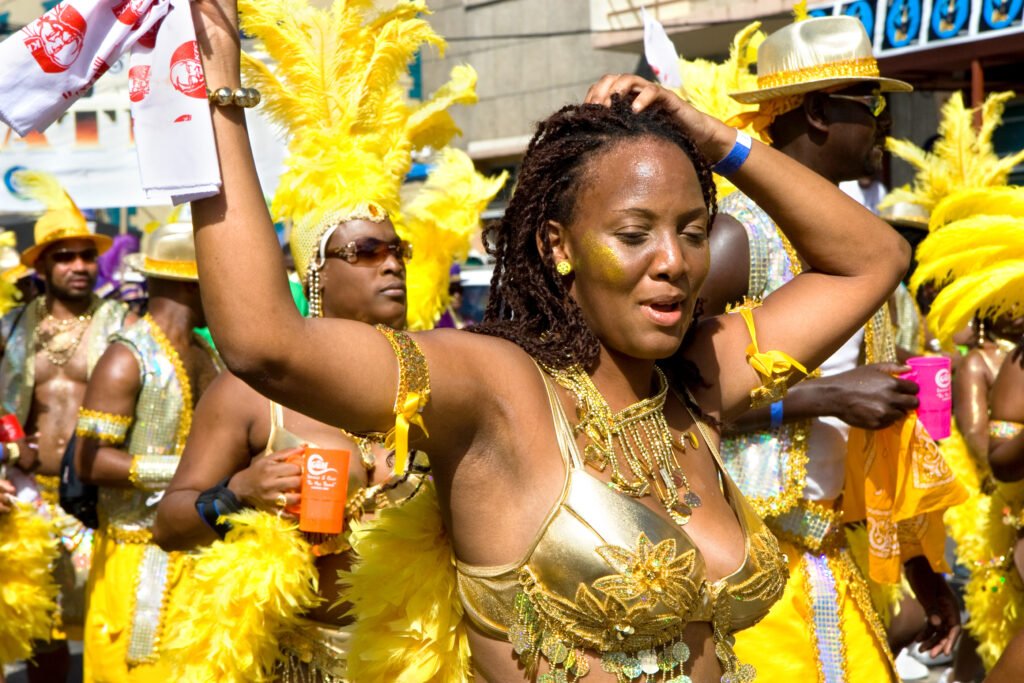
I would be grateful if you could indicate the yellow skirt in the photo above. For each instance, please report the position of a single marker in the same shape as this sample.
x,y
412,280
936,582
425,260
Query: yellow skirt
x,y
823,629
113,593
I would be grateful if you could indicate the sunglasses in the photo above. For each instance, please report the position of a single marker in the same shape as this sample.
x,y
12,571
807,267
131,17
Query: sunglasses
x,y
65,256
875,102
370,251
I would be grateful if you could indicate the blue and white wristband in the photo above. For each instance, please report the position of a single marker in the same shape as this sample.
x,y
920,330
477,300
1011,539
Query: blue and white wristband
x,y
736,156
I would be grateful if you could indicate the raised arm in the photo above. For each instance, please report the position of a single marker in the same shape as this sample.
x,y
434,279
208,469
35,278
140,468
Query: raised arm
x,y
854,259
338,371
113,388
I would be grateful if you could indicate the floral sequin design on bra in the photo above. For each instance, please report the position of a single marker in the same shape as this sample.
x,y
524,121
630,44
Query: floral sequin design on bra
x,y
636,616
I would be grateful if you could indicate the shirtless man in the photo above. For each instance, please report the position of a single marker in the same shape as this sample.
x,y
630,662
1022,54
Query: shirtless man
x,y
49,348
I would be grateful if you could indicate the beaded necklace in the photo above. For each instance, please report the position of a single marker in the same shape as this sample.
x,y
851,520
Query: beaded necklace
x,y
61,338
639,433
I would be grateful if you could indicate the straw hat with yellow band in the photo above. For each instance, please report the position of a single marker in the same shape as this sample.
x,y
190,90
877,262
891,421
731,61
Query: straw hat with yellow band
x,y
169,253
62,219
809,56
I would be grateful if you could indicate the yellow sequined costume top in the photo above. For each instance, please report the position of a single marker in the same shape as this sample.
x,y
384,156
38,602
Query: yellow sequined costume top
x,y
607,574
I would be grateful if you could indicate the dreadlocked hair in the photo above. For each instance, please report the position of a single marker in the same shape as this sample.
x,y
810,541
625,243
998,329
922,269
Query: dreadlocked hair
x,y
529,302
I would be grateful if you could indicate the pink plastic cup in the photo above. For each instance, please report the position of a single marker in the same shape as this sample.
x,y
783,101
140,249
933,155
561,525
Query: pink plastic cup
x,y
936,396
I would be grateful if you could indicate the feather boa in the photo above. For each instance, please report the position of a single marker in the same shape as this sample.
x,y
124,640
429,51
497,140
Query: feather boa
x,y
28,593
408,626
239,598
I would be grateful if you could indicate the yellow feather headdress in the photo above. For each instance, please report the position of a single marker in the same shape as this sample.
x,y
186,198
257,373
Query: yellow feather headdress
x,y
975,248
335,88
962,157
706,84
440,222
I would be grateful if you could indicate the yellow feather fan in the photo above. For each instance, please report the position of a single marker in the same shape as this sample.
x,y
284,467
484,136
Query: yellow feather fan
x,y
976,249
61,212
440,221
238,599
408,626
961,159
336,90
706,85
28,593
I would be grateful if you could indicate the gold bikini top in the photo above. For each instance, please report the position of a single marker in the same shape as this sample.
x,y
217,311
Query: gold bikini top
x,y
607,574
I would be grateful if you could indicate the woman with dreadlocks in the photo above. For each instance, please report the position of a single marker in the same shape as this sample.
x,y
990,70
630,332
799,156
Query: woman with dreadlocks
x,y
594,531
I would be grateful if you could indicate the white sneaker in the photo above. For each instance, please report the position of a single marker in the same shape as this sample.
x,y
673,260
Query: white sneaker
x,y
920,655
908,668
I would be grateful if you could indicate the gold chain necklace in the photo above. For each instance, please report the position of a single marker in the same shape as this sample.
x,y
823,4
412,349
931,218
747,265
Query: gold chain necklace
x,y
185,421
639,433
61,338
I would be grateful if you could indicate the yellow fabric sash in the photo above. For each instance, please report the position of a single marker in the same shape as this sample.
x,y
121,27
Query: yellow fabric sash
x,y
773,367
899,482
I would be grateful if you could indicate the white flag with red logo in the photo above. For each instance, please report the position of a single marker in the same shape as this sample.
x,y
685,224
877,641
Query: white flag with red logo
x,y
660,52
173,129
49,64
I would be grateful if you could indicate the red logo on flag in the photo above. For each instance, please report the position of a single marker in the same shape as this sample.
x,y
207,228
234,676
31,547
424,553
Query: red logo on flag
x,y
55,39
187,71
138,83
129,12
148,39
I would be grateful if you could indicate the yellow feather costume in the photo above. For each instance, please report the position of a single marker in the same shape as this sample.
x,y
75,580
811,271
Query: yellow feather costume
x,y
711,84
962,158
975,252
28,592
228,631
402,588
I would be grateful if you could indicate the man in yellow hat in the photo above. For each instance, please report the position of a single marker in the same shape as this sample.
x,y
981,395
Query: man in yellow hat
x,y
821,101
131,431
50,347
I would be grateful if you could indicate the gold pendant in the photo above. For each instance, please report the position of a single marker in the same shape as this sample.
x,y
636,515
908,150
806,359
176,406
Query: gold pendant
x,y
688,438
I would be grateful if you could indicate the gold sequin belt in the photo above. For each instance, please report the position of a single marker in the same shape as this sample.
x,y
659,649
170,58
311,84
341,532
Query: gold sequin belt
x,y
314,653
810,524
130,536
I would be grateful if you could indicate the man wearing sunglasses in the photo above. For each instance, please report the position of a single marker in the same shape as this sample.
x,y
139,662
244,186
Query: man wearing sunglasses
x,y
820,100
50,346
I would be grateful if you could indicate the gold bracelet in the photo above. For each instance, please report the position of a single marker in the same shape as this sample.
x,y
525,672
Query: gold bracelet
x,y
13,453
413,394
152,472
239,97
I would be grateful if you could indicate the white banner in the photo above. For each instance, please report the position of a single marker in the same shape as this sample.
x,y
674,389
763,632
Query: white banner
x,y
91,150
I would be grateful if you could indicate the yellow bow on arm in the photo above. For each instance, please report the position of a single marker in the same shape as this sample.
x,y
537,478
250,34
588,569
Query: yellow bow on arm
x,y
773,367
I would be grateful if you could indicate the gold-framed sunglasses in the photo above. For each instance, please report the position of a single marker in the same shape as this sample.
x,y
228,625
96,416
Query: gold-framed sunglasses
x,y
370,251
874,102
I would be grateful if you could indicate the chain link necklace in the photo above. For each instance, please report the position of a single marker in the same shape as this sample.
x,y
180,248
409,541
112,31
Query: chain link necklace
x,y
60,338
636,443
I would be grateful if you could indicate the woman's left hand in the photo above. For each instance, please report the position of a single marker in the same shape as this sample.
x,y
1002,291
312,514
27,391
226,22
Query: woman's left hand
x,y
713,138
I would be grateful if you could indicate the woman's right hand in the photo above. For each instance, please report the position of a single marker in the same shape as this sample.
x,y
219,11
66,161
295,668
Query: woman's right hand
x,y
266,479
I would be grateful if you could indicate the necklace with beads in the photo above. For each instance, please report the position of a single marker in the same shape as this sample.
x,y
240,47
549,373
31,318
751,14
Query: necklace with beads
x,y
635,443
60,338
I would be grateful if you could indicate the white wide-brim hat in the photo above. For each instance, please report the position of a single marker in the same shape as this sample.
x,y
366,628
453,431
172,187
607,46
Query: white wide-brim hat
x,y
169,252
816,54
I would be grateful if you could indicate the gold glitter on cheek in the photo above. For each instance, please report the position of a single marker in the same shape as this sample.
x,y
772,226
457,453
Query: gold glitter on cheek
x,y
601,259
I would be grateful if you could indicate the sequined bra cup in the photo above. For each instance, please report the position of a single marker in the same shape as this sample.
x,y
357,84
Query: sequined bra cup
x,y
607,574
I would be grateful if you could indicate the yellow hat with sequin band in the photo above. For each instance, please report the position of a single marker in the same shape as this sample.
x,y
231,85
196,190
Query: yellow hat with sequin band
x,y
335,87
62,219
811,55
169,252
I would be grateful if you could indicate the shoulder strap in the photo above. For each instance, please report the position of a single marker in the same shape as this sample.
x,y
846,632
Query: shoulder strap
x,y
563,430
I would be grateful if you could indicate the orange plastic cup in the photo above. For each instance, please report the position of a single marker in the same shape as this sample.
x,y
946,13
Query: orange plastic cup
x,y
324,490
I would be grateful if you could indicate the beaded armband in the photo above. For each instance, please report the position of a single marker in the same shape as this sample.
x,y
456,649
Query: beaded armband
x,y
774,368
107,428
1004,429
413,394
152,472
